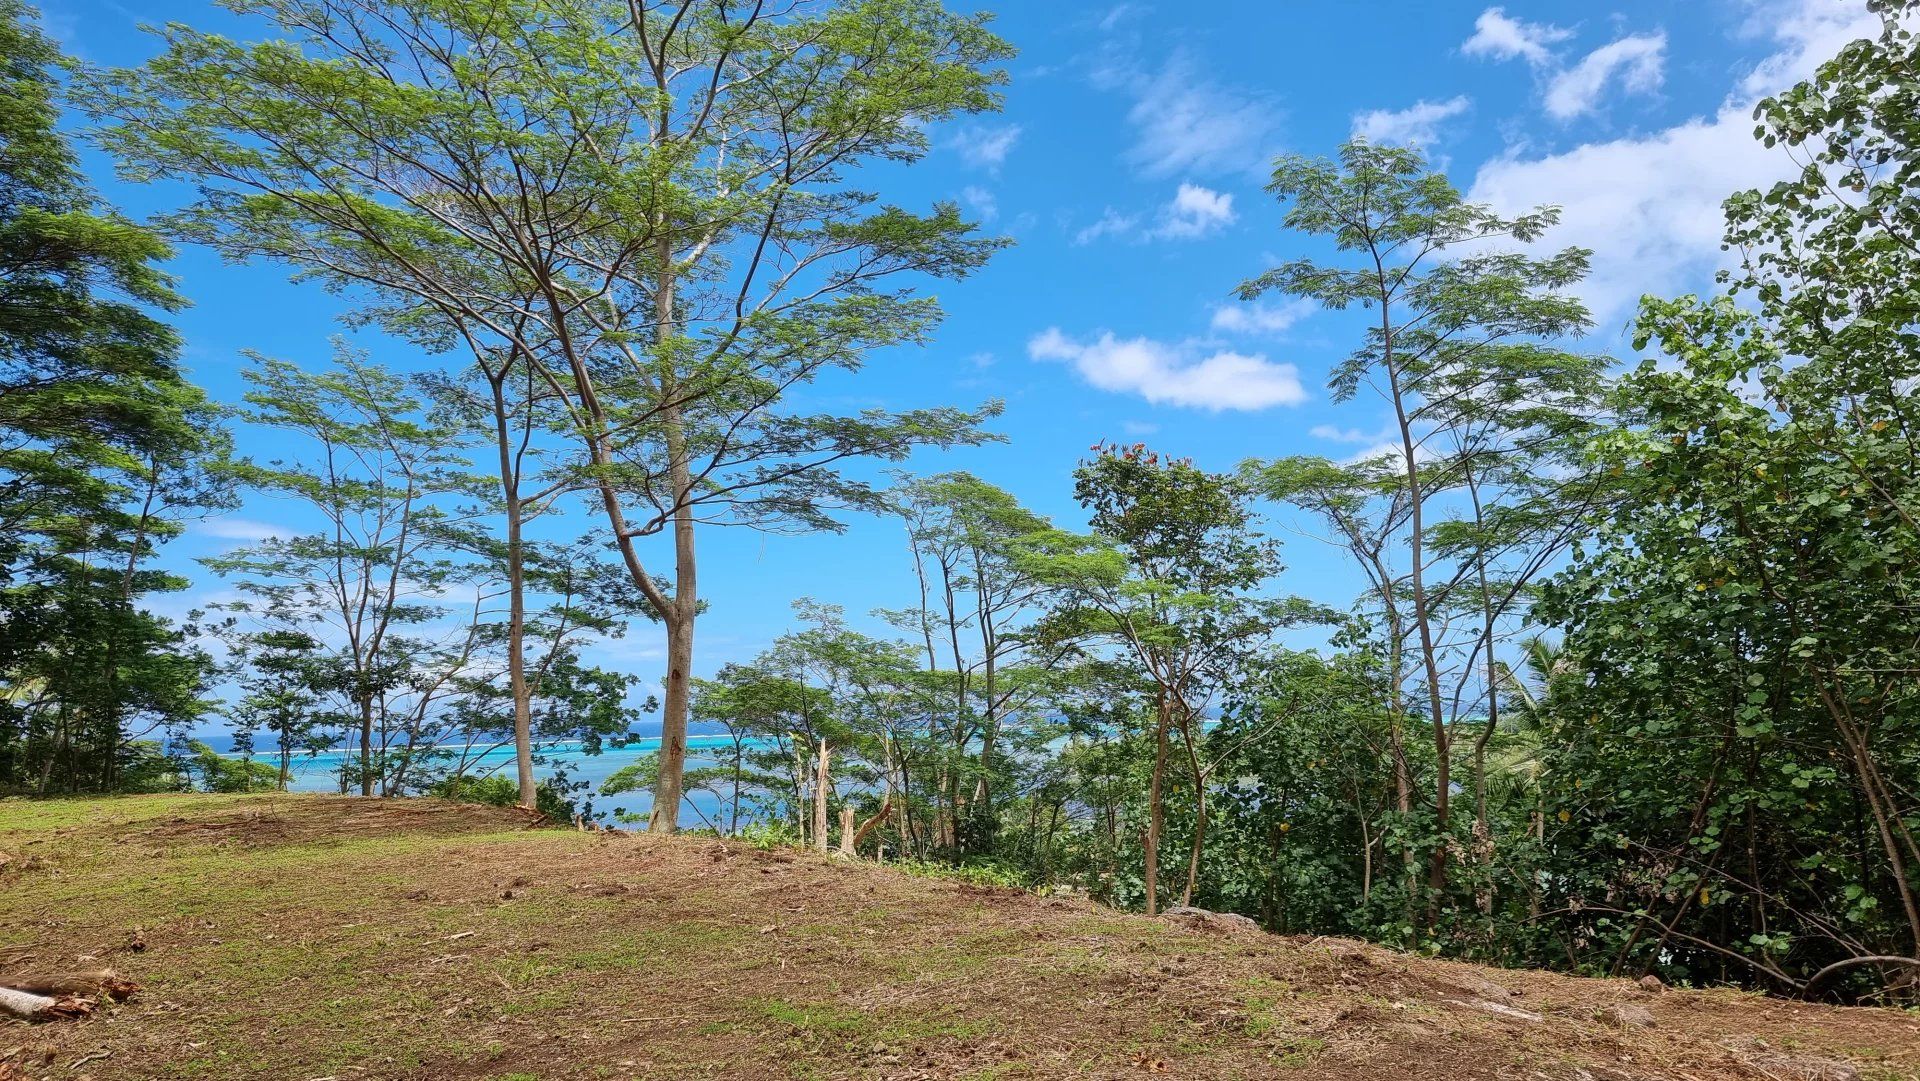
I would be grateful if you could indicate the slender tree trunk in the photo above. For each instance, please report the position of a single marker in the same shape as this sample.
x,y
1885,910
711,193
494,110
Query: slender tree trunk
x,y
1884,819
516,592
1199,807
1154,809
1366,855
366,741
686,600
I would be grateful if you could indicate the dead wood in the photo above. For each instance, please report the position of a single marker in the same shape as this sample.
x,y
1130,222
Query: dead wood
x,y
100,981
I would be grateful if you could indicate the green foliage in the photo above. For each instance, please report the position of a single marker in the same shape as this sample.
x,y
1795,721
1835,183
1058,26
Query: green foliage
x,y
972,872
103,448
1742,744
219,773
1478,489
500,790
650,212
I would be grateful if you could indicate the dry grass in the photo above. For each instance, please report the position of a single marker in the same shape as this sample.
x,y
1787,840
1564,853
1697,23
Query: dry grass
x,y
320,937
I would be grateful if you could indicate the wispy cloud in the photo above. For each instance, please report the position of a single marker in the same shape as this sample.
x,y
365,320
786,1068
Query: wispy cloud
x,y
1185,121
1418,123
1171,374
1259,317
984,146
1637,60
980,201
244,530
1110,223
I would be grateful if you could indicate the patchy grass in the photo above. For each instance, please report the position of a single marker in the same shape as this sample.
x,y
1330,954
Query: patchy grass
x,y
313,937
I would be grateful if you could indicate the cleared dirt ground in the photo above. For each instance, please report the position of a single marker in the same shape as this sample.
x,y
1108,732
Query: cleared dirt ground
x,y
309,938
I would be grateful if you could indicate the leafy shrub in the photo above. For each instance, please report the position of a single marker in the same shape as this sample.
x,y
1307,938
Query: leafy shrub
x,y
500,790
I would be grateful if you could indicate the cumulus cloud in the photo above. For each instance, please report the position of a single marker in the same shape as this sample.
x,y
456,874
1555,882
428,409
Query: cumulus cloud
x,y
1649,205
1418,123
1638,60
1195,211
983,146
1259,317
1168,374
1497,35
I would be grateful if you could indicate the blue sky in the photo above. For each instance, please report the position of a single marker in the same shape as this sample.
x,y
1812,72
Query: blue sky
x,y
1128,168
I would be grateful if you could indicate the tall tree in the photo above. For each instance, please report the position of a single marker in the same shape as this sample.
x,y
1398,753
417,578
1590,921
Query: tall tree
x,y
975,604
1472,500
386,485
649,203
102,448
1170,578
1745,621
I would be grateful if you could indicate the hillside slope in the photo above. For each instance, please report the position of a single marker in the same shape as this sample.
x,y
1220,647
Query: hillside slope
x,y
322,937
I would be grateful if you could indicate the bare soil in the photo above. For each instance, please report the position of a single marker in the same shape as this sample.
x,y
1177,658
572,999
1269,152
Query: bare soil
x,y
314,938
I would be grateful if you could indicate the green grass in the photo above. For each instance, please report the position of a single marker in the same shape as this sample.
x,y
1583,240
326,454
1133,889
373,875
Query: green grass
x,y
294,953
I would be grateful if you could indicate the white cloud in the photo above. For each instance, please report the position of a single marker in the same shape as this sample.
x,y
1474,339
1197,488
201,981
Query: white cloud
x,y
1195,211
1139,427
1382,444
1170,375
1111,223
1503,38
1418,123
1387,451
1638,59
1261,318
982,201
1649,205
1337,434
245,530
1118,14
984,147
1185,122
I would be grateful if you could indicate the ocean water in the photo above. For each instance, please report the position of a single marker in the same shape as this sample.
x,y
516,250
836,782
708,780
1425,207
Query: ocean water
x,y
321,773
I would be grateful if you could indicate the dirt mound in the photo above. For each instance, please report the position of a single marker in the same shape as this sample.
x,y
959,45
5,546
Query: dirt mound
x,y
428,941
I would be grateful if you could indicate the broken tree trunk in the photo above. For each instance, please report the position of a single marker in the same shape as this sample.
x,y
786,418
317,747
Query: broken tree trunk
x,y
846,832
873,823
820,788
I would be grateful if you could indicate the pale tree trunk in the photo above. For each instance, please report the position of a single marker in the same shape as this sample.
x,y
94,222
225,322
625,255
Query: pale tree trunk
x,y
820,799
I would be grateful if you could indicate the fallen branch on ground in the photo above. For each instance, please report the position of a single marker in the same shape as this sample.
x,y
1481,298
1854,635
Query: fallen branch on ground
x,y
27,1006
65,996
